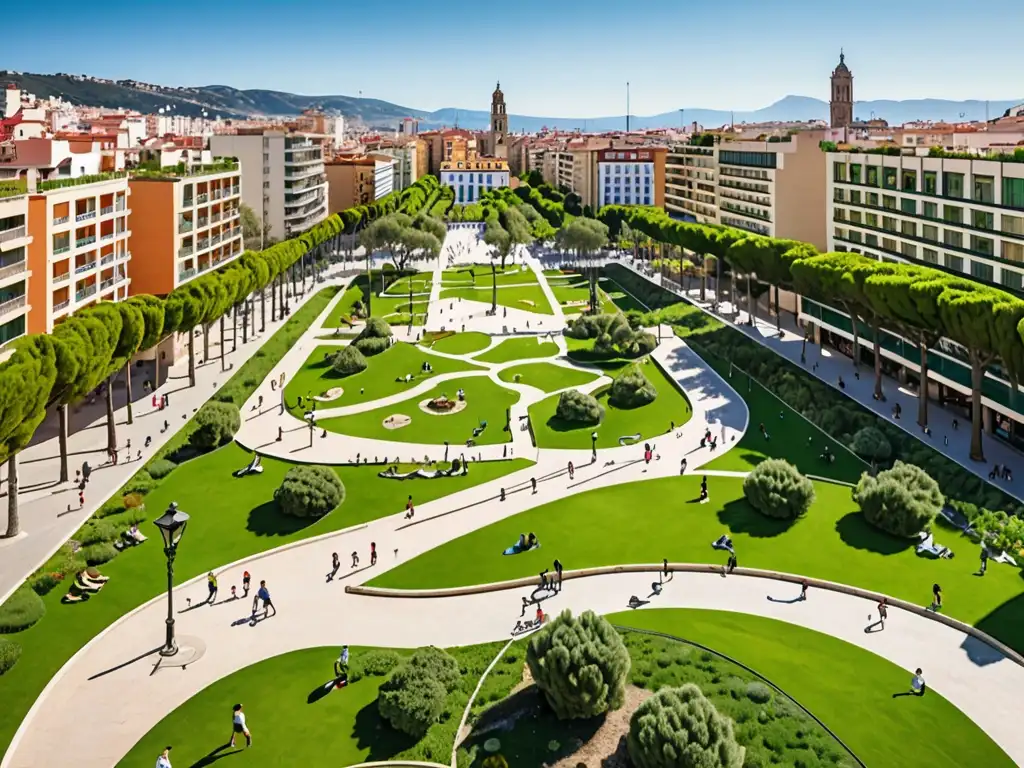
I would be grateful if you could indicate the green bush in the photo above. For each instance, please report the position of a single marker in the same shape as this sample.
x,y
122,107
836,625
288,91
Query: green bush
x,y
371,346
96,531
680,728
375,328
141,483
759,693
160,468
98,554
376,663
348,360
63,564
580,665
777,489
10,651
309,491
902,501
871,444
580,408
1001,532
631,389
22,609
410,702
216,424
437,665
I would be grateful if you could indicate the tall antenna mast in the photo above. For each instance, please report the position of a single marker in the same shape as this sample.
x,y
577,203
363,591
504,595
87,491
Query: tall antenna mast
x,y
627,106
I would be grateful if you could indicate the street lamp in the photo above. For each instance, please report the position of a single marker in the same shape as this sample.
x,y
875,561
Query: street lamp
x,y
172,527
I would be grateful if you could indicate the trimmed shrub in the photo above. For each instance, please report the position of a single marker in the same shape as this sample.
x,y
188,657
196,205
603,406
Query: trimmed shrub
x,y
871,444
216,423
411,702
574,406
902,501
580,664
375,328
10,652
160,468
134,501
680,728
348,360
759,693
22,609
98,554
777,489
371,346
645,343
63,564
373,664
142,483
631,389
434,663
96,531
309,491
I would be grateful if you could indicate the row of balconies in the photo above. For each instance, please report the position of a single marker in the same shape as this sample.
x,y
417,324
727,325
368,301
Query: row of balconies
x,y
12,305
13,234
13,269
187,225
107,210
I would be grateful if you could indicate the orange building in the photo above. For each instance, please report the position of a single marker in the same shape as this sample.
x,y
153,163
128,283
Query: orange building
x,y
350,182
183,223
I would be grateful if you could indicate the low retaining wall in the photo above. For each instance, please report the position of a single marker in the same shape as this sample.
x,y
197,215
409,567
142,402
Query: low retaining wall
x,y
758,573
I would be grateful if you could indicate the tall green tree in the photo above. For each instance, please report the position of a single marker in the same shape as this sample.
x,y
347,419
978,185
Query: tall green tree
x,y
827,278
129,340
151,310
500,244
745,256
585,237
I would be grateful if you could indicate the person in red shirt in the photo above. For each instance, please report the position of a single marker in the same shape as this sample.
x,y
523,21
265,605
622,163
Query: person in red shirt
x,y
540,615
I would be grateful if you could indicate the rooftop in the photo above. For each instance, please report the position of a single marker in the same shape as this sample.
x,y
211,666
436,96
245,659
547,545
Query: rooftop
x,y
151,170
95,178
12,188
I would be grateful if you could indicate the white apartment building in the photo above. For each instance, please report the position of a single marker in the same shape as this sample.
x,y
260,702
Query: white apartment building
x,y
471,178
625,177
14,273
285,181
691,183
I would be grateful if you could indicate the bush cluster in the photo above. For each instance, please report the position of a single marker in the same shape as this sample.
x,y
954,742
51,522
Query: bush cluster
x,y
613,334
902,501
577,407
374,338
216,424
871,444
376,663
631,389
348,360
309,491
580,664
160,468
412,699
22,609
10,651
64,564
777,489
99,553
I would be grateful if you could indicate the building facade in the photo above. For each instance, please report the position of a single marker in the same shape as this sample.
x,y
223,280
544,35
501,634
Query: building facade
x,y
499,125
15,240
691,183
631,177
471,178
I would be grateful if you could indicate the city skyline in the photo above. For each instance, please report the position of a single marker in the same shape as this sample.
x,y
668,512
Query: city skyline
x,y
570,56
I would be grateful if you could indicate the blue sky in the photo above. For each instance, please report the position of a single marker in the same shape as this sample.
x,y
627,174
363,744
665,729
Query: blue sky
x,y
561,59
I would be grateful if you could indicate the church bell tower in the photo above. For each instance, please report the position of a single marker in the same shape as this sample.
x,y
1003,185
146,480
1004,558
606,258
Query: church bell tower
x,y
499,124
841,103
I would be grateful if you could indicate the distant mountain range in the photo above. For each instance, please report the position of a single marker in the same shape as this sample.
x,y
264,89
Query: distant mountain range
x,y
226,101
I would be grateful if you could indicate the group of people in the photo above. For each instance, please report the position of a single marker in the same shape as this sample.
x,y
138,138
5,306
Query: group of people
x,y
260,600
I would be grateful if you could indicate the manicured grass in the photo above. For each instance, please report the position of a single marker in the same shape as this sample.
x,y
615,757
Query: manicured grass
x,y
461,343
832,541
650,421
793,438
382,304
231,519
296,720
846,687
343,309
617,294
578,292
487,402
421,283
547,376
512,275
379,379
529,298
520,348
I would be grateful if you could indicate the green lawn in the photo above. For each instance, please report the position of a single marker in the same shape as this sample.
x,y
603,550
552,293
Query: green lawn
x,y
618,296
382,305
343,309
547,376
846,687
224,527
831,542
519,348
421,283
295,719
512,275
487,402
651,421
460,343
379,379
580,292
529,298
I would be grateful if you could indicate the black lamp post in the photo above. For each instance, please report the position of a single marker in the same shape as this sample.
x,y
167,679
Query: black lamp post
x,y
172,527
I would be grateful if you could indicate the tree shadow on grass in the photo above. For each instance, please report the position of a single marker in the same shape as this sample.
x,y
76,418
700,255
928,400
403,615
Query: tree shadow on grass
x,y
268,520
371,731
1006,624
740,517
857,532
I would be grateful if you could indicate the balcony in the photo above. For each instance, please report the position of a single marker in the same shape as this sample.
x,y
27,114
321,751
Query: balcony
x,y
236,191
203,244
61,220
108,236
216,194
106,210
185,250
85,267
62,305
85,216
125,256
13,234
301,173
204,221
214,218
85,293
121,207
188,202
63,277
82,242
185,225
185,274
111,281
203,198
12,305
108,259
13,269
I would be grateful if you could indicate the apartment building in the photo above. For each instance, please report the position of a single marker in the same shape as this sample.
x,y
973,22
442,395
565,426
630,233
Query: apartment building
x,y
285,180
404,167
691,183
631,176
471,178
14,272
184,221
79,250
962,215
351,181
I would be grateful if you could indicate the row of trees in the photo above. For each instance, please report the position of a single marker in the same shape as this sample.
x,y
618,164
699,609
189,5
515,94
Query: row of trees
x,y
920,304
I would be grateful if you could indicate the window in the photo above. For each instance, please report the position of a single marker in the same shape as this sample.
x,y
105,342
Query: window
x,y
872,175
889,244
1013,193
908,228
854,236
953,214
871,219
855,196
872,199
839,171
984,189
889,178
908,205
983,245
982,271
930,232
931,210
1013,251
953,238
839,195
871,240
982,220
1011,279
931,184
953,185
955,263
855,175
840,214
1013,225
908,181
888,223
451,178
929,255
909,250
754,159
489,180
855,217
889,202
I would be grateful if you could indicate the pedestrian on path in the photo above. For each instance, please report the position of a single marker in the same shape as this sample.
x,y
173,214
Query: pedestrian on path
x,y
883,612
81,498
164,761
682,466
803,589
335,565
238,726
956,424
355,559
211,585
410,510
572,471
246,578
936,597
263,594
526,604
149,440
544,579
730,564
373,553
558,572
533,484
984,561
86,471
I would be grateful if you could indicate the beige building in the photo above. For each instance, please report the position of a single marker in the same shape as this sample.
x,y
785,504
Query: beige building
x,y
349,182
15,240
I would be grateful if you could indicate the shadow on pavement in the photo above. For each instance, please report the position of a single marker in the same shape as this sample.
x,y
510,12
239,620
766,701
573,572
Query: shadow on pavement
x,y
124,664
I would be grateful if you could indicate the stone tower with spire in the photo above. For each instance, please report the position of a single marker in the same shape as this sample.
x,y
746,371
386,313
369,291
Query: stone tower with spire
x,y
841,104
499,124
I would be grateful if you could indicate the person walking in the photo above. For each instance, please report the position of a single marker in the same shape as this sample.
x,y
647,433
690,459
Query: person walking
x,y
211,585
883,612
803,589
533,484
984,561
81,498
936,597
544,579
410,510
355,558
558,572
263,594
164,761
731,563
572,471
373,553
246,578
526,604
238,726
341,665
